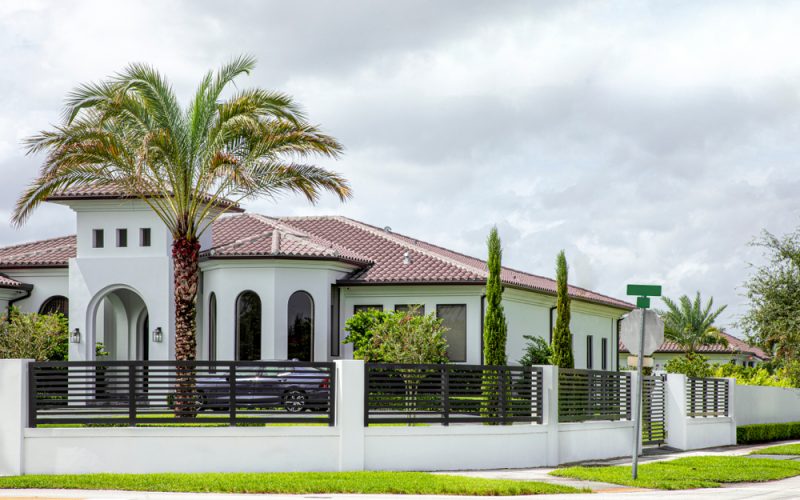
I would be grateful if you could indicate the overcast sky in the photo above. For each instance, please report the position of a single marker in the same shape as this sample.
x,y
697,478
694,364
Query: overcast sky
x,y
651,142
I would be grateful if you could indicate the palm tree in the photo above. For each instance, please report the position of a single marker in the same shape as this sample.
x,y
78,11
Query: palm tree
x,y
190,165
689,324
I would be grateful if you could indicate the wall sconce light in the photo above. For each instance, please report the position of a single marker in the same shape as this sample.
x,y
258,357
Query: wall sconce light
x,y
75,336
158,335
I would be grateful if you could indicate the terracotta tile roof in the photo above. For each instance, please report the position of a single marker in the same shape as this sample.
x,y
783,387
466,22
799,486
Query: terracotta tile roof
x,y
253,235
54,252
428,263
382,257
6,282
112,192
735,345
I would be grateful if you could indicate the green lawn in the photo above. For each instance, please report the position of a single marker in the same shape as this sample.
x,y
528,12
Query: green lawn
x,y
690,472
417,483
784,449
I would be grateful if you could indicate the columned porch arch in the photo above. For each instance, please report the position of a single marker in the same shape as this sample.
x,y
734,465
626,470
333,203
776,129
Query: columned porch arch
x,y
118,317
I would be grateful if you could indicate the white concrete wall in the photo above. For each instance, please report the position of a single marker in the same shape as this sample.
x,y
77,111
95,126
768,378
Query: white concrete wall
x,y
346,446
687,433
765,405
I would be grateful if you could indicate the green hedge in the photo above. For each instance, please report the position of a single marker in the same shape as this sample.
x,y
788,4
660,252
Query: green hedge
x,y
759,433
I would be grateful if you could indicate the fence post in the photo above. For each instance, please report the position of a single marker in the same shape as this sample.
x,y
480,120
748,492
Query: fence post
x,y
675,411
445,394
350,411
550,413
731,408
132,394
232,393
13,414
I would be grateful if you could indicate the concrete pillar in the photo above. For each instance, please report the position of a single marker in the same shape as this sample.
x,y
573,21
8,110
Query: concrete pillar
x,y
350,413
676,411
13,414
550,411
732,408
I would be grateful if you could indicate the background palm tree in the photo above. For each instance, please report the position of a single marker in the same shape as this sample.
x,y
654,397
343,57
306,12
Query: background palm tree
x,y
190,165
689,324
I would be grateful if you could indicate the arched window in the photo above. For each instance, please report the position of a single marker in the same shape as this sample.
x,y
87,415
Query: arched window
x,y
212,327
301,327
55,304
248,327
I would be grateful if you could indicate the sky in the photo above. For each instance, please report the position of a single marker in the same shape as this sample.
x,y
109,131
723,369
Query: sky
x,y
652,141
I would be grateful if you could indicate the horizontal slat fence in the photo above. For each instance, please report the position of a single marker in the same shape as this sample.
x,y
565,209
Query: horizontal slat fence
x,y
128,393
593,395
452,394
706,397
654,408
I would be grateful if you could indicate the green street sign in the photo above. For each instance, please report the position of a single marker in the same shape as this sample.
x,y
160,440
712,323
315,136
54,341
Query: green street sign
x,y
643,302
645,290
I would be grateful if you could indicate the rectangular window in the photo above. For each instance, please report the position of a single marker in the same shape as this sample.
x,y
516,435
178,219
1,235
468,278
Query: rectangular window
x,y
357,309
97,238
144,237
589,352
419,309
122,238
454,318
604,352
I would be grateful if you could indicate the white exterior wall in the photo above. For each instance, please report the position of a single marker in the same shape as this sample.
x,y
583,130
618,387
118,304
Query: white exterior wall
x,y
428,295
766,405
46,282
274,281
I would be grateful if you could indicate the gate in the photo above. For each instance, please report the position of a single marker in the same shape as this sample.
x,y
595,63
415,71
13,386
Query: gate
x,y
654,428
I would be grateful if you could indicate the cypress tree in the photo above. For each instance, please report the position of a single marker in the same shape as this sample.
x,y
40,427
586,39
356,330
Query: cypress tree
x,y
562,337
494,323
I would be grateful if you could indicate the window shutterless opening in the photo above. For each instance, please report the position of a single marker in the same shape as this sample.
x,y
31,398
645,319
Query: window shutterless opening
x,y
604,352
144,237
122,238
97,238
589,353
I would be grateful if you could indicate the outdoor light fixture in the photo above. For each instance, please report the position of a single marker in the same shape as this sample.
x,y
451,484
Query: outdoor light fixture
x,y
158,335
75,336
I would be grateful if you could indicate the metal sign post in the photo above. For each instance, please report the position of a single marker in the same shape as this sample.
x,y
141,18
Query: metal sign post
x,y
643,293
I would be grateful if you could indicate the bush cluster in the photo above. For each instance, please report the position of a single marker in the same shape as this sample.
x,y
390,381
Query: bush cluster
x,y
759,433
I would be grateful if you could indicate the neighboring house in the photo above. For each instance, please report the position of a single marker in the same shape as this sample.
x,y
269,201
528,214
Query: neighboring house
x,y
274,287
737,352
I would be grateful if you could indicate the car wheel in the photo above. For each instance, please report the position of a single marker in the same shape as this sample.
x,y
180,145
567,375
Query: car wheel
x,y
294,401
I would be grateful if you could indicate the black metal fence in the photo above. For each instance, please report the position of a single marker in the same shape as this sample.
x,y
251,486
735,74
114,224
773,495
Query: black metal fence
x,y
706,397
654,408
450,394
593,395
129,393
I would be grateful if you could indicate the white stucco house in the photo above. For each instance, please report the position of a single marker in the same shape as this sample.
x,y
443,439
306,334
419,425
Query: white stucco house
x,y
274,287
735,351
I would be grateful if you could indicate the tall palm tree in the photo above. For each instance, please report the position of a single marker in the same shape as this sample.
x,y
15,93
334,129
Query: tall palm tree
x,y
690,325
190,165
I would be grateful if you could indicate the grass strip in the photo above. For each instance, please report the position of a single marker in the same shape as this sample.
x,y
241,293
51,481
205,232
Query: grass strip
x,y
783,449
411,483
689,472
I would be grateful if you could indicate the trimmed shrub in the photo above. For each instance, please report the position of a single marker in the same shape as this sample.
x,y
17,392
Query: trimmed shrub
x,y
759,433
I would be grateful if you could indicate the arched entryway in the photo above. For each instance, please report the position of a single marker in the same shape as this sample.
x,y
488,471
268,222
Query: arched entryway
x,y
121,326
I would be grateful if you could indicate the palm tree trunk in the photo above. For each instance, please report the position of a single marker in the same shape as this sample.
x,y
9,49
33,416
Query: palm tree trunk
x,y
186,273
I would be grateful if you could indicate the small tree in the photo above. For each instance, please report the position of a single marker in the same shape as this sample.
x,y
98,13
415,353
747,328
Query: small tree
x,y
42,337
360,328
495,329
537,351
410,338
562,337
